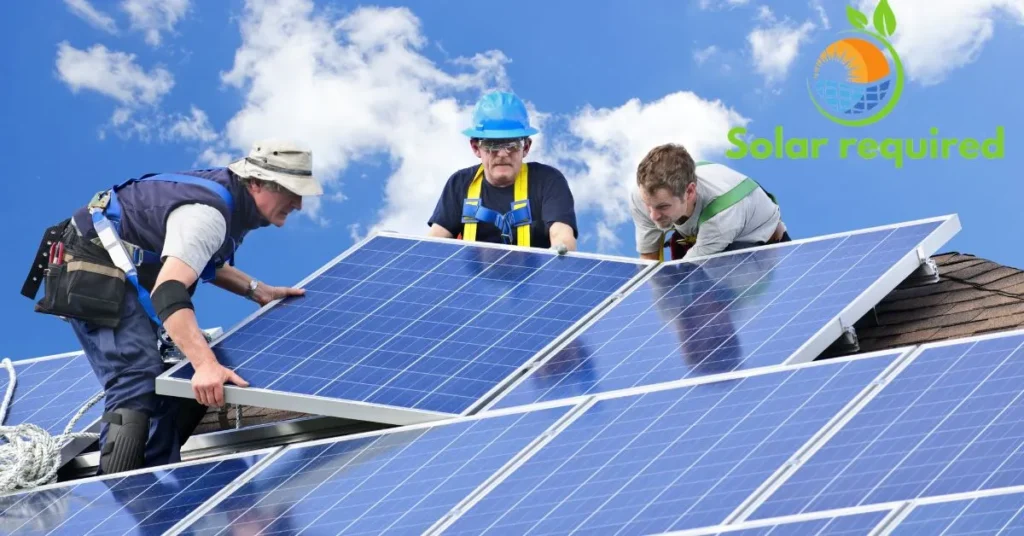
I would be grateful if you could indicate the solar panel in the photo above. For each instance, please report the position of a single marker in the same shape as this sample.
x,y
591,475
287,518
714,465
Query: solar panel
x,y
49,392
398,482
952,421
140,502
746,309
991,514
671,459
401,330
999,511
857,524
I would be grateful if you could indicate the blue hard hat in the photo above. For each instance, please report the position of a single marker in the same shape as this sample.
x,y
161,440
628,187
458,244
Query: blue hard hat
x,y
500,114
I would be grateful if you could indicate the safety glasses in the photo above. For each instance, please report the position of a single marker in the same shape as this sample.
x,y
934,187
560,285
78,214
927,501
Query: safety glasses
x,y
496,146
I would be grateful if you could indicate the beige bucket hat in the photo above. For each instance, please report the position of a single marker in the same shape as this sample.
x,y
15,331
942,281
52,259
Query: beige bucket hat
x,y
282,162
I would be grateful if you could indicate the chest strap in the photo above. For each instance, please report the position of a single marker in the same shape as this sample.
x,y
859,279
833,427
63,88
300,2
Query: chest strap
x,y
105,211
721,203
518,218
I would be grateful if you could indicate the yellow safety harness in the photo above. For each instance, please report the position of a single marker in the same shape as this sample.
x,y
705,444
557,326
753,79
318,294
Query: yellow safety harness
x,y
519,218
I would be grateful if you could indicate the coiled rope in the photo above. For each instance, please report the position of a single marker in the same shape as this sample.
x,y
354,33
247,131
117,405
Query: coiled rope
x,y
30,456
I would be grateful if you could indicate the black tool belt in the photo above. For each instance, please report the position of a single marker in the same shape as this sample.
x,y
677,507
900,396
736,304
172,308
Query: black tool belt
x,y
78,278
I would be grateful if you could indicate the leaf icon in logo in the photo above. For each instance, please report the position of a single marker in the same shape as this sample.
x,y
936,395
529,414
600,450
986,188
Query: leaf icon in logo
x,y
884,19
856,18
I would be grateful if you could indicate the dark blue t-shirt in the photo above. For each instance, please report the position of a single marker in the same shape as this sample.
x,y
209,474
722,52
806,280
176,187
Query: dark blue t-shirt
x,y
548,192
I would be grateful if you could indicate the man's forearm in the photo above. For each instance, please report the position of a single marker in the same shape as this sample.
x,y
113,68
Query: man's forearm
x,y
561,233
232,279
184,330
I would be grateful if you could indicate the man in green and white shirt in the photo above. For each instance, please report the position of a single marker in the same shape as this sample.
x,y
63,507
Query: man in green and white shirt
x,y
710,207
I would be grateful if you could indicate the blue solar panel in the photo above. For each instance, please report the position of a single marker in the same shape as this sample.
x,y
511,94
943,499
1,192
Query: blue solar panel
x,y
401,482
148,502
994,514
416,324
744,310
668,460
50,391
840,525
952,421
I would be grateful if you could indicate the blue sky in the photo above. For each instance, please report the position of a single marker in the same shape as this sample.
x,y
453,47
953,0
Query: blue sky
x,y
101,91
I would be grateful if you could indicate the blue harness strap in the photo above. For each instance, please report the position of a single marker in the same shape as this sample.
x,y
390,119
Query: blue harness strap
x,y
473,211
110,219
141,256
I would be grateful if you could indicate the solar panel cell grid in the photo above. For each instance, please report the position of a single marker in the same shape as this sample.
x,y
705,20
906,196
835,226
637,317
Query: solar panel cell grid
x,y
668,460
401,482
425,325
143,503
992,515
50,391
844,525
951,422
739,311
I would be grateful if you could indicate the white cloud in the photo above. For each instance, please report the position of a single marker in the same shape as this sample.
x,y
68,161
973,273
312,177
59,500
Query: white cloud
x,y
196,126
601,161
702,55
354,232
116,75
820,10
716,4
121,116
358,88
214,158
607,238
934,38
112,73
98,19
776,44
155,16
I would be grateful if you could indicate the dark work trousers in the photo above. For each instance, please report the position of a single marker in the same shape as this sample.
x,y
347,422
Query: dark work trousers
x,y
126,361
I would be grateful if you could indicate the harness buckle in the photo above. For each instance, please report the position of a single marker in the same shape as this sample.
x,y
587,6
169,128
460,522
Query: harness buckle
x,y
520,213
99,201
469,210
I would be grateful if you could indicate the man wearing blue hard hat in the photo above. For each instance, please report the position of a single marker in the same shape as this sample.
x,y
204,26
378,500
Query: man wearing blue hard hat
x,y
503,199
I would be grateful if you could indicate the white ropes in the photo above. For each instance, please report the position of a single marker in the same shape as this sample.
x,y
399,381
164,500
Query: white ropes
x,y
29,455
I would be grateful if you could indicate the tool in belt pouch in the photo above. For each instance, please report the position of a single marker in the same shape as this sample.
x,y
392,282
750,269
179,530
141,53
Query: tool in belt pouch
x,y
79,281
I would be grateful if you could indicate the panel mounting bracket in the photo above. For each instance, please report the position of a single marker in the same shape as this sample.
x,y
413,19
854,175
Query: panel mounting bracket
x,y
926,273
847,343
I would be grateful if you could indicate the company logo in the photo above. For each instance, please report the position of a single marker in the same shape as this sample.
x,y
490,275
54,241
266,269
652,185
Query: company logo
x,y
854,83
857,81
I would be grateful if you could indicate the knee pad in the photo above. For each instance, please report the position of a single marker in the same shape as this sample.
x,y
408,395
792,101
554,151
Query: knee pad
x,y
125,446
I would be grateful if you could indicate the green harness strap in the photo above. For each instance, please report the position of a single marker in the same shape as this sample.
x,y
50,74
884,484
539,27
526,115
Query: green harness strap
x,y
729,198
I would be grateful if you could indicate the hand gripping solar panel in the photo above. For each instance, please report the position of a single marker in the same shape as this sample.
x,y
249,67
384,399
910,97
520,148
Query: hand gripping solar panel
x,y
670,459
49,391
395,482
402,330
951,421
751,308
149,501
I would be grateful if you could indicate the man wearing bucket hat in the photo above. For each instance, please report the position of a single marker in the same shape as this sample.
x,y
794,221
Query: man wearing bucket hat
x,y
503,199
128,263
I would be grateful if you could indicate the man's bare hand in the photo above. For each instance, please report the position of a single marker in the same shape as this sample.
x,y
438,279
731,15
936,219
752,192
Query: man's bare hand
x,y
265,293
208,383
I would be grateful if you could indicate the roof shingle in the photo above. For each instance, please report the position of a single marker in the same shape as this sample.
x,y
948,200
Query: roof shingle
x,y
973,296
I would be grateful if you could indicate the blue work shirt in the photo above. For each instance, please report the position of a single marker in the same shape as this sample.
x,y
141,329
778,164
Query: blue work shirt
x,y
550,201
